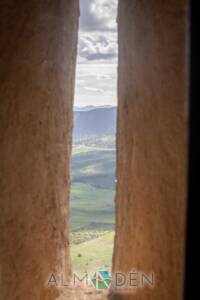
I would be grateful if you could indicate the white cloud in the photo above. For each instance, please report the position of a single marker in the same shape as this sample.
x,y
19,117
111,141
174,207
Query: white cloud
x,y
92,89
97,53
98,31
103,76
98,15
99,86
97,47
104,11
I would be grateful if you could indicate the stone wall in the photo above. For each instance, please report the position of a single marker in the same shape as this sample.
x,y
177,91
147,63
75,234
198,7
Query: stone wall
x,y
37,58
151,144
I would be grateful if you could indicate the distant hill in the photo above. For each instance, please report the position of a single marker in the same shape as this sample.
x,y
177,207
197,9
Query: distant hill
x,y
91,120
91,107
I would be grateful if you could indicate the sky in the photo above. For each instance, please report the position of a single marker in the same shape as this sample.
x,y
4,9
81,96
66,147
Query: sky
x,y
96,70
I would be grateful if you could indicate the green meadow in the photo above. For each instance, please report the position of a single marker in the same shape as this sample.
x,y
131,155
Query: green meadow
x,y
92,204
93,255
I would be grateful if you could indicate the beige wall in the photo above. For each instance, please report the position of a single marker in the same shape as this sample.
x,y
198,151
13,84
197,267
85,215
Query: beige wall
x,y
37,60
151,144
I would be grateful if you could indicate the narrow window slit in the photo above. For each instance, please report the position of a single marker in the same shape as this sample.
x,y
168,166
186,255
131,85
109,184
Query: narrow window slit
x,y
92,211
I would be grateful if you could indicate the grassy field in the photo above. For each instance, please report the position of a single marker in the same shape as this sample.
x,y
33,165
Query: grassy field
x,y
92,204
93,183
91,207
93,255
94,166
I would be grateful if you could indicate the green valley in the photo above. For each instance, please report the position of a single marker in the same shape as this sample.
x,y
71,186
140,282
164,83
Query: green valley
x,y
92,197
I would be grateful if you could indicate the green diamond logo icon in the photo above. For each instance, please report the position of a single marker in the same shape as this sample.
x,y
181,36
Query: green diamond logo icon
x,y
101,280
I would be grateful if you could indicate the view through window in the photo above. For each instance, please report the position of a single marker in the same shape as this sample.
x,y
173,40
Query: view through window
x,y
93,160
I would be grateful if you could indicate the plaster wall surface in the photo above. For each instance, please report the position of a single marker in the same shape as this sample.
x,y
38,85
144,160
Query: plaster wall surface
x,y
38,41
151,144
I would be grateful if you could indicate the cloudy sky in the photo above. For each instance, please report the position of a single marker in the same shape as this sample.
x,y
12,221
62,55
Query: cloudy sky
x,y
97,53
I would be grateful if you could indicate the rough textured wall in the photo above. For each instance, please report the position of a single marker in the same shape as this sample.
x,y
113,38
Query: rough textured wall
x,y
37,62
151,141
